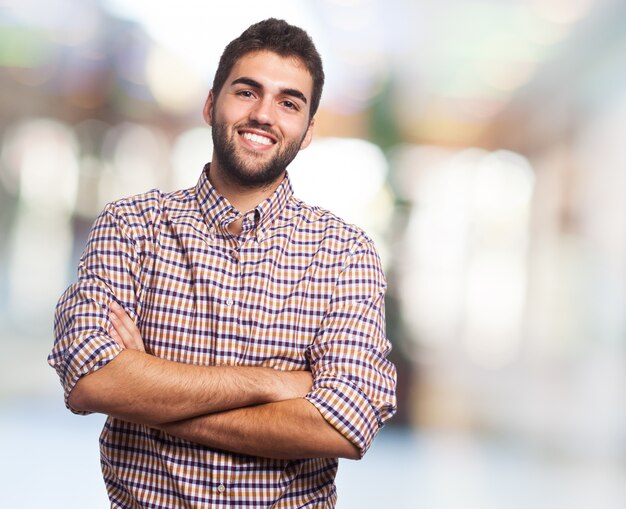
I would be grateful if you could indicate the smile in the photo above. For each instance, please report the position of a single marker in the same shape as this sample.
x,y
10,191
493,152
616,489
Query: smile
x,y
256,138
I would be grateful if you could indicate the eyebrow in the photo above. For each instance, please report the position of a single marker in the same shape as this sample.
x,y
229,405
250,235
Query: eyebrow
x,y
293,92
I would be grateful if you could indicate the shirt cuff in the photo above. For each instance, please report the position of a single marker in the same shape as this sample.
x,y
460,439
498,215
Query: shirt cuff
x,y
347,409
83,357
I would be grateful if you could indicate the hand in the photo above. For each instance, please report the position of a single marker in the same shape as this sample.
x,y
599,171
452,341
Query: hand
x,y
124,330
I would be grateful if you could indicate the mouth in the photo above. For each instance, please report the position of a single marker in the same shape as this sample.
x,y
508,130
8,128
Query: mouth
x,y
257,139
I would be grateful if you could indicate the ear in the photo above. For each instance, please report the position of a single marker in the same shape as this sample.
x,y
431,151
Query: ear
x,y
207,112
308,136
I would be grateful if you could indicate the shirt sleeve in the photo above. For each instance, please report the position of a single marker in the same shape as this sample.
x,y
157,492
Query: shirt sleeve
x,y
108,271
354,383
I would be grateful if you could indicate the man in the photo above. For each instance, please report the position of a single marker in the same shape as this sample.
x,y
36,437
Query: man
x,y
233,335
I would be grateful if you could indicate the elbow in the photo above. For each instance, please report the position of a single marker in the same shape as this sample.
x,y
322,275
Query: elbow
x,y
351,452
85,395
78,399
340,447
96,391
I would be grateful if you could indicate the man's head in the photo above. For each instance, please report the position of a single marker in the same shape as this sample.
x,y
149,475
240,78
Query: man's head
x,y
261,107
279,37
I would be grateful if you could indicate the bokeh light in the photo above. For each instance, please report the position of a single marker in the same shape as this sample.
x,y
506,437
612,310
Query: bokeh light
x,y
477,142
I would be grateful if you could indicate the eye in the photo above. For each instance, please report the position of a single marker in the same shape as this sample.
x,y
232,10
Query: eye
x,y
290,105
245,93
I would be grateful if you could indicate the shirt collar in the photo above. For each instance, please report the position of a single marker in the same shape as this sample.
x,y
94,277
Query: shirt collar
x,y
218,212
268,210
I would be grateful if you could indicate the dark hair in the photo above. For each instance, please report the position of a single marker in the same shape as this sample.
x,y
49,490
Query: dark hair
x,y
281,38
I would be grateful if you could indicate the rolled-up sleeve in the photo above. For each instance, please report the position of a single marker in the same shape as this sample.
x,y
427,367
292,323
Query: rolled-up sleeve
x,y
354,382
108,271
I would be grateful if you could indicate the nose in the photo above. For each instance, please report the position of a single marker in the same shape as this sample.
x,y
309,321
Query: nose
x,y
263,111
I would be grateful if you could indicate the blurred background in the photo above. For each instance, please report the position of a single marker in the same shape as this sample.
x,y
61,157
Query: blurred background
x,y
480,143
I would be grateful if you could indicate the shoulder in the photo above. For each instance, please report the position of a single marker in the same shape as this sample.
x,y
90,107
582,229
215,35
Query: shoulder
x,y
142,213
328,226
342,245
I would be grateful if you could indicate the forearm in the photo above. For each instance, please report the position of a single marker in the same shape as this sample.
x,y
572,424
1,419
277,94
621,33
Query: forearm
x,y
142,388
292,429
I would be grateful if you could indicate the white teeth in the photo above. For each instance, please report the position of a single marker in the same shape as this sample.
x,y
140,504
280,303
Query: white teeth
x,y
255,138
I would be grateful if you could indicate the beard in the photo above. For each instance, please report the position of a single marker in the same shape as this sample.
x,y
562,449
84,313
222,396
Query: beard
x,y
248,169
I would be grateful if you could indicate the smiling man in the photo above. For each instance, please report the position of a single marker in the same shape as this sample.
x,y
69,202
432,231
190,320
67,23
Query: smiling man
x,y
233,335
270,117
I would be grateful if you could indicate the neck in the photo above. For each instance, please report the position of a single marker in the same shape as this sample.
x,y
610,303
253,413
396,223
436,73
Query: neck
x,y
243,198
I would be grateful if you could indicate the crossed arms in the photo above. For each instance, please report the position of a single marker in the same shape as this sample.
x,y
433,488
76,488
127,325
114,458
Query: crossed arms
x,y
247,410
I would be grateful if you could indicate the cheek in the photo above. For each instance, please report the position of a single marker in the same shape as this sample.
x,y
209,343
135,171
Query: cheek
x,y
295,129
229,112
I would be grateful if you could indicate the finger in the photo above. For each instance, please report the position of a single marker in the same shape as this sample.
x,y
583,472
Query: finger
x,y
117,338
123,336
126,327
120,326
137,341
119,331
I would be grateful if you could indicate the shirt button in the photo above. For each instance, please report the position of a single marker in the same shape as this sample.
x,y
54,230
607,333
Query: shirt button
x,y
229,302
221,488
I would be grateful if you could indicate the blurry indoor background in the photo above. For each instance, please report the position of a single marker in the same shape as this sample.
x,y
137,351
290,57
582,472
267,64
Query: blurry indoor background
x,y
480,143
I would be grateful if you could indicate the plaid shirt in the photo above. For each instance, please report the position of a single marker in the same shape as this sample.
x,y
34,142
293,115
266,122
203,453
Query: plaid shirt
x,y
297,289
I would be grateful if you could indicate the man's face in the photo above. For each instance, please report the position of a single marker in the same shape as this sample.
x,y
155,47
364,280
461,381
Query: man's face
x,y
260,118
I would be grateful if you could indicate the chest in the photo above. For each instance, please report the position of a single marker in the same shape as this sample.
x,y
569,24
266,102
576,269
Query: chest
x,y
216,300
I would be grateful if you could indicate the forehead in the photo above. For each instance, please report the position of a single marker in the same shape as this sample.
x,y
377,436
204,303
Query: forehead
x,y
273,71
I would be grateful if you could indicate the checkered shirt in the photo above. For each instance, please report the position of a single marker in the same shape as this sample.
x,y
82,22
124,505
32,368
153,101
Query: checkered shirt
x,y
297,289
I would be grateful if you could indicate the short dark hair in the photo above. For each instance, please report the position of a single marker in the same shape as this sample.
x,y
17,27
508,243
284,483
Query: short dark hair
x,y
279,37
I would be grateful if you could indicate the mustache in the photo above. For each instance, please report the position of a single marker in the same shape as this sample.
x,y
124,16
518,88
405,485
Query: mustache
x,y
259,127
